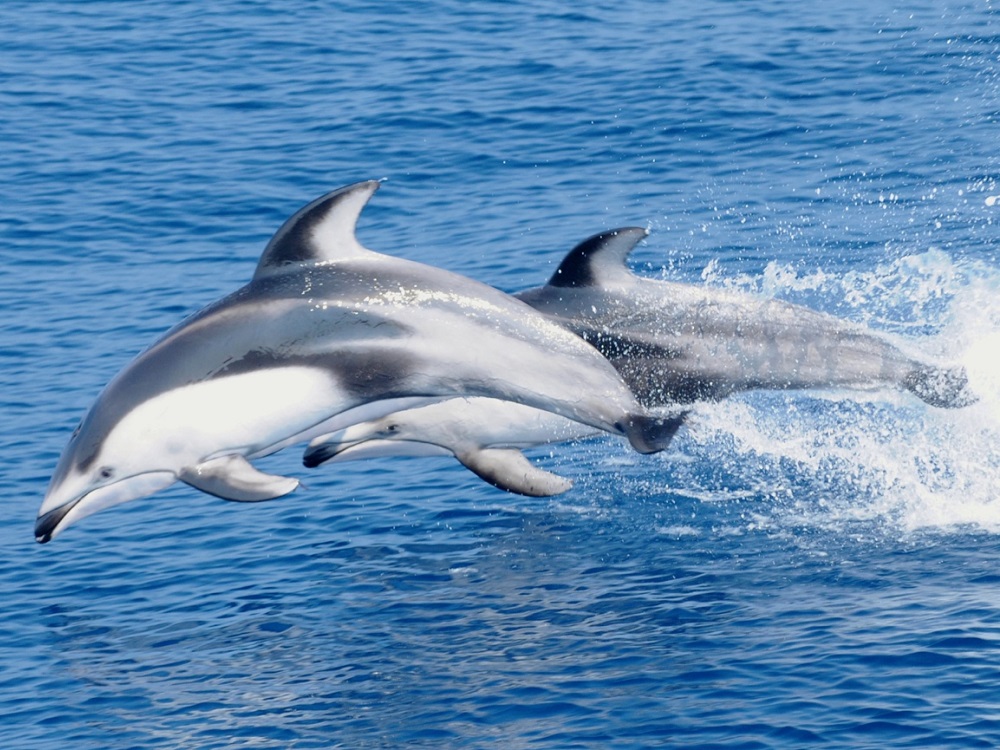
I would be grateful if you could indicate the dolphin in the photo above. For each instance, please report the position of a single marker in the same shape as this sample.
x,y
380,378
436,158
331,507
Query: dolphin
x,y
681,343
673,344
327,333
484,434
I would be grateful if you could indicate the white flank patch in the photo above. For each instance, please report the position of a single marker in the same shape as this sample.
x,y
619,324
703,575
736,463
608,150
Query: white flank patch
x,y
233,414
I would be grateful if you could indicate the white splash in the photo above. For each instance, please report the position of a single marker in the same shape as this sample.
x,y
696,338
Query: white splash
x,y
833,459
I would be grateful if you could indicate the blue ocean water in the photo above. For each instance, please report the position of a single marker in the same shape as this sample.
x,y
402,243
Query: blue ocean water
x,y
799,569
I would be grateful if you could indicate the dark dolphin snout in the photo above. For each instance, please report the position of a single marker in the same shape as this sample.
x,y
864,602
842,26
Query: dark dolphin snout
x,y
314,456
46,524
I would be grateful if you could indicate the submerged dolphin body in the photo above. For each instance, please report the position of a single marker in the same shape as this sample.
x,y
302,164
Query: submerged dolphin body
x,y
326,334
673,343
681,343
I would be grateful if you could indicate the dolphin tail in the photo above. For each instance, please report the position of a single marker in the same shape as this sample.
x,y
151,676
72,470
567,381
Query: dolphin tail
x,y
946,387
652,434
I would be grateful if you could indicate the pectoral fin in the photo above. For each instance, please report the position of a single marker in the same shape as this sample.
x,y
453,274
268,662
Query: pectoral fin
x,y
234,478
508,469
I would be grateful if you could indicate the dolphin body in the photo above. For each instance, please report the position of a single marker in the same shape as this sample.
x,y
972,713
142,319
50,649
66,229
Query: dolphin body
x,y
681,343
326,334
673,344
484,434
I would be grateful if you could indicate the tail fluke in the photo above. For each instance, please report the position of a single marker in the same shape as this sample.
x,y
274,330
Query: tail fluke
x,y
945,387
651,434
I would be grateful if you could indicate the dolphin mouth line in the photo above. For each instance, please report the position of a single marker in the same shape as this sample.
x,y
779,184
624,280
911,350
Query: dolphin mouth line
x,y
46,525
314,457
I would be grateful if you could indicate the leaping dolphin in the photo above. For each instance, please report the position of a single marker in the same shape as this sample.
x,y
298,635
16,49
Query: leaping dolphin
x,y
326,334
673,343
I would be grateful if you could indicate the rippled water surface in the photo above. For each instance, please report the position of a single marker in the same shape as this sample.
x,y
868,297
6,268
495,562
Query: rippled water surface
x,y
799,569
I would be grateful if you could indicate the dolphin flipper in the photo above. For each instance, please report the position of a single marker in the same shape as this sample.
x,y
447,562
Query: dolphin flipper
x,y
508,469
234,478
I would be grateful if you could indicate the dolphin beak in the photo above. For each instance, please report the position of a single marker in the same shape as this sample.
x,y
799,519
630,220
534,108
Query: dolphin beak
x,y
47,523
55,516
320,452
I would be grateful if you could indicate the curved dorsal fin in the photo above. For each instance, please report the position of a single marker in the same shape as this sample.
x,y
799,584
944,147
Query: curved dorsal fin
x,y
321,231
599,260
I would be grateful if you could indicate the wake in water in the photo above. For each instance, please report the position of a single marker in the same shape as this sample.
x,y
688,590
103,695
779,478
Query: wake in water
x,y
832,458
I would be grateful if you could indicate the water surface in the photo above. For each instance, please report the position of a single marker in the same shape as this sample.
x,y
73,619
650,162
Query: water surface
x,y
799,569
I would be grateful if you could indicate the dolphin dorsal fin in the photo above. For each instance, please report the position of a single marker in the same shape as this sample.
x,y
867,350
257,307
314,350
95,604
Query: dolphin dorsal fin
x,y
321,232
599,260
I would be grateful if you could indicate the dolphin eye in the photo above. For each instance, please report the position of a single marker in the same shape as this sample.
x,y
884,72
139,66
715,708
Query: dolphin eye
x,y
106,472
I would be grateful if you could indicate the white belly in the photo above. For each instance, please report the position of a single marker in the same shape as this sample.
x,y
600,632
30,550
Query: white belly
x,y
235,414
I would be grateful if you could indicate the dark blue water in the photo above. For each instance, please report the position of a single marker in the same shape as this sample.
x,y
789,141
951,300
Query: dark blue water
x,y
798,570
